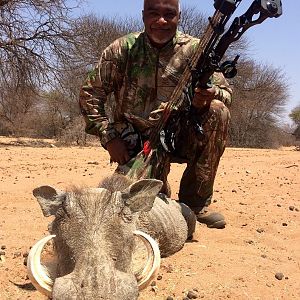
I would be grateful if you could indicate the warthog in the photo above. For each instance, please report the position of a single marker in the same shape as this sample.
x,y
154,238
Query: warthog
x,y
94,231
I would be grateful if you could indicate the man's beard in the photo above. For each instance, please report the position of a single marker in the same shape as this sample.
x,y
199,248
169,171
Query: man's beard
x,y
160,41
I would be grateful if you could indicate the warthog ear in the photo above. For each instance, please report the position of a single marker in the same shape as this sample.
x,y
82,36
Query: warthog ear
x,y
140,195
49,199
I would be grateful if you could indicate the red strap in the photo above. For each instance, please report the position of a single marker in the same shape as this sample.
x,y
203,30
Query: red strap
x,y
147,148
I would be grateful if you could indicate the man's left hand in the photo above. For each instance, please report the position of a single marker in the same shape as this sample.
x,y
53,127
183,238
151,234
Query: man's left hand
x,y
203,97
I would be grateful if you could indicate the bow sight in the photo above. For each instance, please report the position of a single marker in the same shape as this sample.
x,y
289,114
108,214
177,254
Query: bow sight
x,y
272,7
220,40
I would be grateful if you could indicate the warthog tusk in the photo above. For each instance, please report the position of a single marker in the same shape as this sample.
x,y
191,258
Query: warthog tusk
x,y
153,262
37,273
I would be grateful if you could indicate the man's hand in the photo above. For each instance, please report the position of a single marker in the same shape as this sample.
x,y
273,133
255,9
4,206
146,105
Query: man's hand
x,y
118,151
203,97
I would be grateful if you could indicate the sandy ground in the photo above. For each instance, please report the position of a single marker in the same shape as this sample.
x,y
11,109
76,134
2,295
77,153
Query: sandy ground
x,y
257,190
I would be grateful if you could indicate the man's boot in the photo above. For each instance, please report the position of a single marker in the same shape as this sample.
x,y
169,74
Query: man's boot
x,y
212,219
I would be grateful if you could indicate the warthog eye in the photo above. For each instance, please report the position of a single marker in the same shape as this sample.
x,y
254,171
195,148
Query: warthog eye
x,y
127,215
65,206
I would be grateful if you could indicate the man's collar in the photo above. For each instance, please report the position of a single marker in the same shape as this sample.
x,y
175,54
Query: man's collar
x,y
167,46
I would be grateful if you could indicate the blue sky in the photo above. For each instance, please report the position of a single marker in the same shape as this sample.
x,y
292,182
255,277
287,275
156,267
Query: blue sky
x,y
275,41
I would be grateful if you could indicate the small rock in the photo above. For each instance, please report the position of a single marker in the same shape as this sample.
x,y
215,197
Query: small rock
x,y
25,254
268,285
291,208
154,289
2,253
296,209
284,224
17,254
170,298
192,295
264,256
234,191
279,276
93,163
249,242
153,283
159,277
3,247
279,205
260,230
169,268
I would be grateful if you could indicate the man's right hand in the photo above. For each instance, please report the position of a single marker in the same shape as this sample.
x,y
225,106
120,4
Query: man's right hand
x,y
203,97
118,151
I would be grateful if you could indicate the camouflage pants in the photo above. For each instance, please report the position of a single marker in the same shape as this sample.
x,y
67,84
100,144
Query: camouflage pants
x,y
202,156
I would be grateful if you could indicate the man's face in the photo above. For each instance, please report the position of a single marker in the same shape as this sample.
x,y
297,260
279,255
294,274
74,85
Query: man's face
x,y
161,19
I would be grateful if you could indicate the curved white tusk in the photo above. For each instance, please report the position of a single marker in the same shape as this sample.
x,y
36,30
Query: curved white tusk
x,y
37,273
153,262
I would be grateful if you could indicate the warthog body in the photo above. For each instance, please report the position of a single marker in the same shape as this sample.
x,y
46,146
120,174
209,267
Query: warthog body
x,y
94,234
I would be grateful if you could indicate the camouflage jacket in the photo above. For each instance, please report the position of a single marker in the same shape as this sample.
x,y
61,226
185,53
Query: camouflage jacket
x,y
134,80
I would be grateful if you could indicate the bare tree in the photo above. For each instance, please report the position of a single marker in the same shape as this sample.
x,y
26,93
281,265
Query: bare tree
x,y
192,21
295,115
16,103
260,93
94,34
34,35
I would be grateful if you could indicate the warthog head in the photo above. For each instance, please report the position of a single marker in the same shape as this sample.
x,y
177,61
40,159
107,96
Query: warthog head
x,y
93,234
